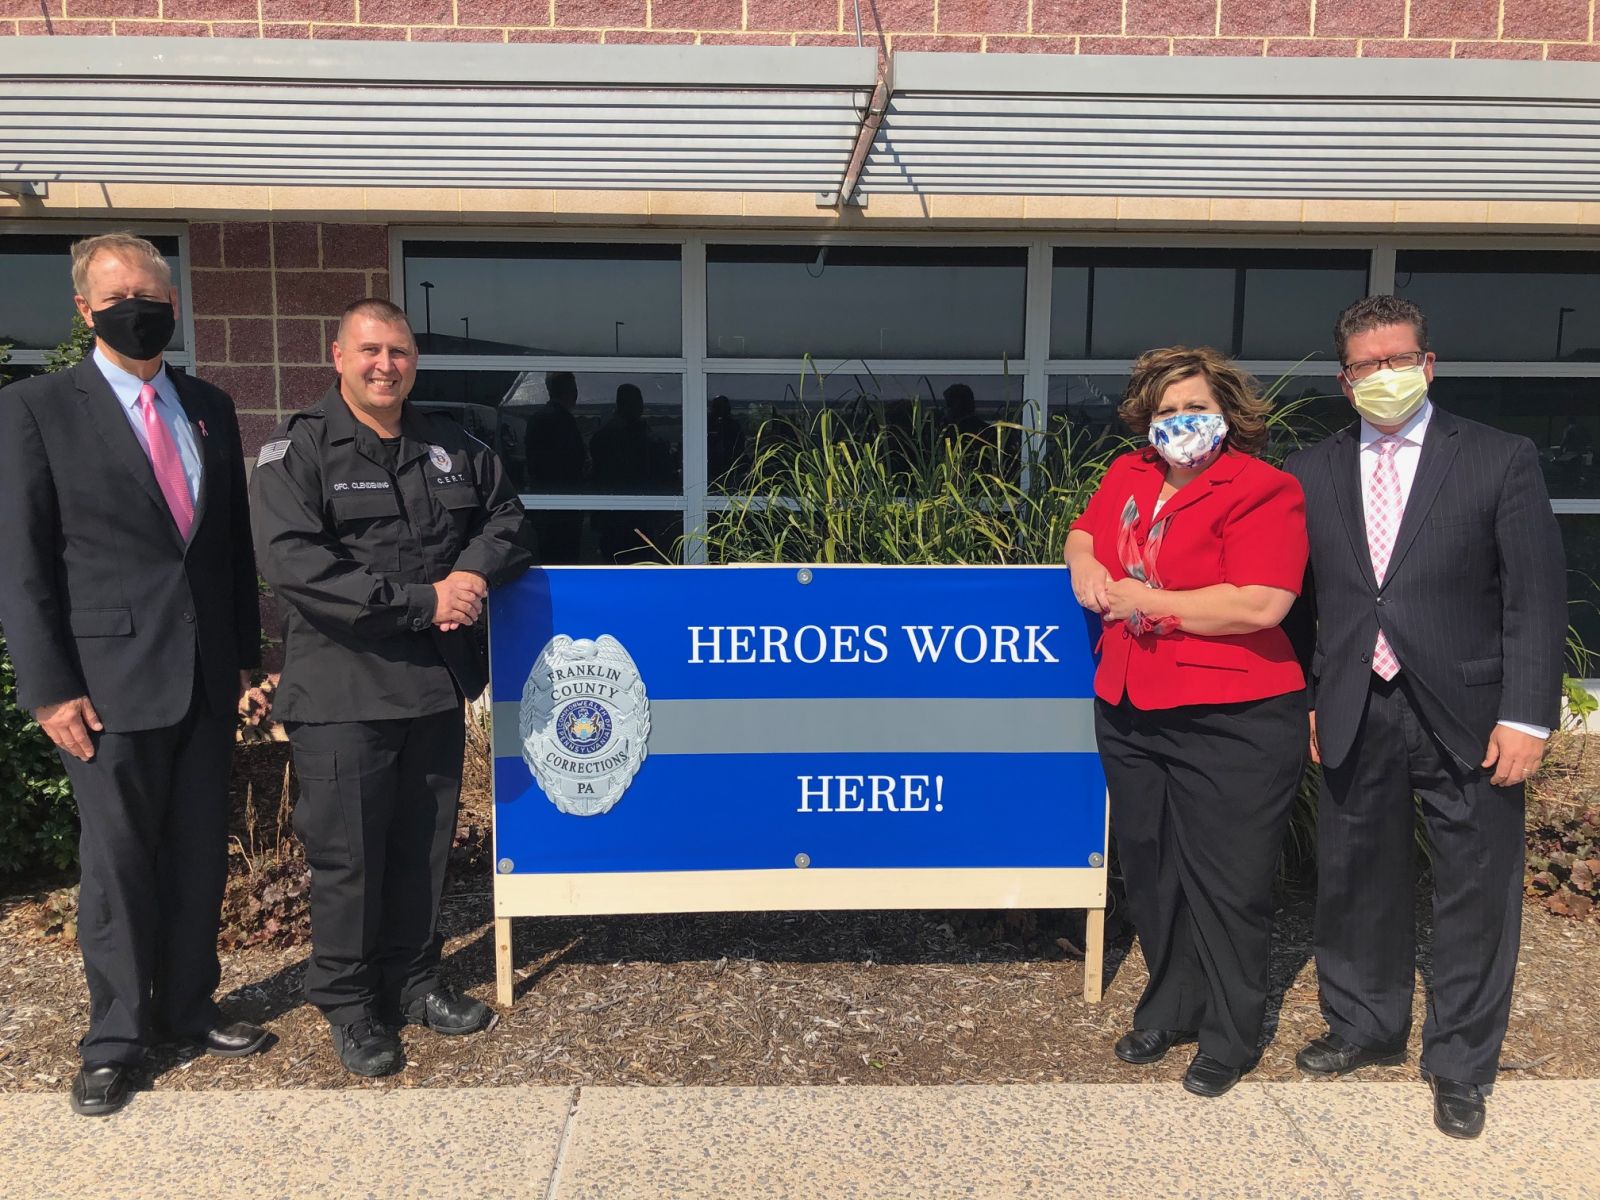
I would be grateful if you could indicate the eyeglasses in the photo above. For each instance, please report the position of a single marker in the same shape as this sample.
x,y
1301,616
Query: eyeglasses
x,y
1408,361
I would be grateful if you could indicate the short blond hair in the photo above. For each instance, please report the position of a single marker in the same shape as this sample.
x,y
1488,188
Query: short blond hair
x,y
122,244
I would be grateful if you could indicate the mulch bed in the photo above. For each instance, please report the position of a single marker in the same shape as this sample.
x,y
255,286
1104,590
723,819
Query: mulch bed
x,y
754,999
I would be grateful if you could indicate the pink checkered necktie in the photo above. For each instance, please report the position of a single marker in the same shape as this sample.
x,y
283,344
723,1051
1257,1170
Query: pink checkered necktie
x,y
164,458
1384,508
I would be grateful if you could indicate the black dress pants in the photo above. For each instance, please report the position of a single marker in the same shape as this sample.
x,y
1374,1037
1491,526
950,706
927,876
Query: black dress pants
x,y
1200,799
1366,883
154,857
376,813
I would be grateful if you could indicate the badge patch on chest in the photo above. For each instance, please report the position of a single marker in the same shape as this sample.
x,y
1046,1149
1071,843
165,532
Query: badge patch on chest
x,y
440,458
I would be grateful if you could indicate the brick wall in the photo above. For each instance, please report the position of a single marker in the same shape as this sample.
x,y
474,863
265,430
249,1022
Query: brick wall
x,y
1527,29
267,297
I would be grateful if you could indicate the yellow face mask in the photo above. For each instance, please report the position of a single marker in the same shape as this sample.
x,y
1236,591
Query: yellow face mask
x,y
1388,397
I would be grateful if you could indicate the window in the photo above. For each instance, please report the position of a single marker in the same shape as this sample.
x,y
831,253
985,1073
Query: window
x,y
1560,416
1267,304
522,298
1580,534
745,411
1501,306
36,303
868,302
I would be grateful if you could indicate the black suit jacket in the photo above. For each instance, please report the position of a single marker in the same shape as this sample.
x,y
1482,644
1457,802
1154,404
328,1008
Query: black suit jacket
x,y
1473,602
99,595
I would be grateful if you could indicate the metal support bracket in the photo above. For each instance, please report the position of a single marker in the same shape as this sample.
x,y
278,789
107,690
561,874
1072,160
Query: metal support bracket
x,y
871,122
24,187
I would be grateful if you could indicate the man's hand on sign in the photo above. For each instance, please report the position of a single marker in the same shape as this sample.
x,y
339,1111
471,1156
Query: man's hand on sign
x,y
460,599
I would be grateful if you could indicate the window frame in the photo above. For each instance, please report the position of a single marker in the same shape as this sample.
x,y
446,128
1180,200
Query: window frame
x,y
1034,369
178,358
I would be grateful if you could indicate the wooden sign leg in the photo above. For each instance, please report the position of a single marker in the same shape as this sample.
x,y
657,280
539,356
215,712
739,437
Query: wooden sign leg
x,y
1094,954
503,978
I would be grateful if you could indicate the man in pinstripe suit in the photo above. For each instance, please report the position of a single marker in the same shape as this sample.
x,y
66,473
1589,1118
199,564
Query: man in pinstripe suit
x,y
1437,591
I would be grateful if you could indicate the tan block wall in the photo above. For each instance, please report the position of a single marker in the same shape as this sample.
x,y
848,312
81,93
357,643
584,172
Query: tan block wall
x,y
1523,29
344,208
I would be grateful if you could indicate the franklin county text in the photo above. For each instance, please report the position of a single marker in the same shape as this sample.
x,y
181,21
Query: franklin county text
x,y
737,645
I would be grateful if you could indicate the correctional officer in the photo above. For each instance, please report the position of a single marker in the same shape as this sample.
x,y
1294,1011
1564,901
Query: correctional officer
x,y
381,528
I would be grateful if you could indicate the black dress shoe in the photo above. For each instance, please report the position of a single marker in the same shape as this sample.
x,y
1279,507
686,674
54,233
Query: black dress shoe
x,y
1457,1107
368,1048
442,1011
234,1040
101,1088
1211,1077
1141,1046
1331,1054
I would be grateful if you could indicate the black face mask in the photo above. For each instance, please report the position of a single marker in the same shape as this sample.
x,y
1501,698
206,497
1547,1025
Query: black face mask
x,y
136,327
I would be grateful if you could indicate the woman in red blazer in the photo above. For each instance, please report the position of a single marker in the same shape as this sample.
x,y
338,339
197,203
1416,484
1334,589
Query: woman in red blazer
x,y
1192,551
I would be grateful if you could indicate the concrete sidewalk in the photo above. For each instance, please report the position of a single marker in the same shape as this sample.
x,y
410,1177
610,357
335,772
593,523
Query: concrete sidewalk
x,y
1144,1141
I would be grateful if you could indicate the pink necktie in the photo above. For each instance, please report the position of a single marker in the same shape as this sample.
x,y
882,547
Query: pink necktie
x,y
1384,508
164,458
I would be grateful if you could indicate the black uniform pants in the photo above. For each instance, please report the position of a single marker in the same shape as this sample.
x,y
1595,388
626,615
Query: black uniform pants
x,y
154,857
1366,881
376,813
1200,798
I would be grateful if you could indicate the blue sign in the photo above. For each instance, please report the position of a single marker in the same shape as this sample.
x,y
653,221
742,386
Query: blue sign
x,y
749,718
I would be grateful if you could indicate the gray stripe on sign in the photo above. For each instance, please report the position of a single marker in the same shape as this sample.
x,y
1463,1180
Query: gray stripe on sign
x,y
886,726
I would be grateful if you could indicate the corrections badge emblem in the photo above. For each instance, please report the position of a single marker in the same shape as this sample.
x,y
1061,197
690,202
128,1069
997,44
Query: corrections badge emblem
x,y
440,458
584,723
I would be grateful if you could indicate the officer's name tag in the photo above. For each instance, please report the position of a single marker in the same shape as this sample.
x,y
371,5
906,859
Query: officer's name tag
x,y
363,485
272,452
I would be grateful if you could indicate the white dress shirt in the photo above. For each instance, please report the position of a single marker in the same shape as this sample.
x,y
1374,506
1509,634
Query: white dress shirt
x,y
126,387
1411,436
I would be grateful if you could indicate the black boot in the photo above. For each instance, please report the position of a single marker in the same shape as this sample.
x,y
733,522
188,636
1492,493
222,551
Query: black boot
x,y
442,1011
367,1048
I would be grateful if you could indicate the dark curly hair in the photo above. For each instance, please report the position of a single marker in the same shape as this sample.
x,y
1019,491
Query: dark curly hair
x,y
1374,312
1235,391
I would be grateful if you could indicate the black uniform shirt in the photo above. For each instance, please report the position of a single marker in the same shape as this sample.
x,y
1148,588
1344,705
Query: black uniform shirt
x,y
352,535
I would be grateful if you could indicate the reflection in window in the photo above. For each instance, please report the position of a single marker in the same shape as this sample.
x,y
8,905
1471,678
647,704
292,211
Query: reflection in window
x,y
751,413
558,433
1308,408
868,302
1560,416
1504,305
544,298
606,538
1088,404
1118,303
36,303
1580,535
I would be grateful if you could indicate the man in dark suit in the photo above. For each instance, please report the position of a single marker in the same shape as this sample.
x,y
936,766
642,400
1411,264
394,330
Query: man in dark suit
x,y
1438,586
129,605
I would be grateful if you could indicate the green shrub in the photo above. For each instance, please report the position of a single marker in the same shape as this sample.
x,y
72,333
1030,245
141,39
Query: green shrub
x,y
38,823
38,820
877,483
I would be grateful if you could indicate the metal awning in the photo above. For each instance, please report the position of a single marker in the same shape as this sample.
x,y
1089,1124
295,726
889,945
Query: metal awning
x,y
1256,127
376,114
